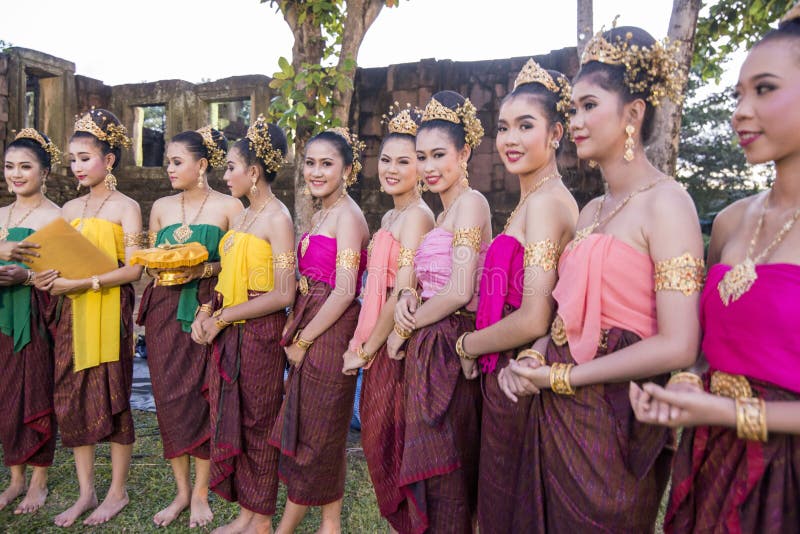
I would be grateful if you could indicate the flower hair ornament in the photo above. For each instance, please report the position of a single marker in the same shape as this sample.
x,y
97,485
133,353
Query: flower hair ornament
x,y
356,146
404,121
216,156
48,146
532,72
260,143
659,73
113,134
465,115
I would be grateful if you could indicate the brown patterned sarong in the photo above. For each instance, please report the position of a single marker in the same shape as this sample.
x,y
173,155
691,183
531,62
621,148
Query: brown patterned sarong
x,y
311,430
245,391
28,425
382,435
724,484
93,405
439,469
178,368
590,465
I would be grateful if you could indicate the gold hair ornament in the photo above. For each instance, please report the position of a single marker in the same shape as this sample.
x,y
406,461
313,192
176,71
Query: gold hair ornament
x,y
48,146
113,134
356,146
403,121
532,72
466,115
216,156
260,142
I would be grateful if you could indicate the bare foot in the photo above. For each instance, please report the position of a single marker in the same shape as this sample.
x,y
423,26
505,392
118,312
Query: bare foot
x,y
11,493
33,500
171,512
111,506
71,514
260,524
237,526
200,514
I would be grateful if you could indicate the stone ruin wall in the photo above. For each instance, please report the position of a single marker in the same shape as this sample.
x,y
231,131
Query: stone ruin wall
x,y
63,94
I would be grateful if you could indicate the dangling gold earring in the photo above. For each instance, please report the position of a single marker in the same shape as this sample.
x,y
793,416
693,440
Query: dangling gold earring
x,y
254,189
465,180
110,180
383,190
44,187
592,163
201,180
77,188
629,143
306,191
11,189
421,185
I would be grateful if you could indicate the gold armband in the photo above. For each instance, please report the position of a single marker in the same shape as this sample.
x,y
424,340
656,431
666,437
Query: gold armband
x,y
401,332
683,273
751,419
463,354
468,237
405,258
685,377
150,238
559,378
132,239
542,254
285,260
300,342
348,259
532,353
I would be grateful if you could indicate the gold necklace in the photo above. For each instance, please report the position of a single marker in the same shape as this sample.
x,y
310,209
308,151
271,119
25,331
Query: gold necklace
x,y
583,233
535,188
238,228
742,276
96,213
182,233
4,230
444,213
323,215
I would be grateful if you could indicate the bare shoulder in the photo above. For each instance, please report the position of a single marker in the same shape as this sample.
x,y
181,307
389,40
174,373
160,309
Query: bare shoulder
x,y
729,219
668,198
420,212
128,203
164,202
474,199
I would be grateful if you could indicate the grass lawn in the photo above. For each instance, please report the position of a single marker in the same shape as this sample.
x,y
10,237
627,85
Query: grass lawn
x,y
151,488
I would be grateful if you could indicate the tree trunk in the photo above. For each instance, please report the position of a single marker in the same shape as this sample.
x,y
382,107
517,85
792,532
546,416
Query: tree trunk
x,y
585,24
663,149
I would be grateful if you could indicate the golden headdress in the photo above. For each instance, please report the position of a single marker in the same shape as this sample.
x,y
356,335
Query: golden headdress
x,y
356,146
113,134
216,156
532,72
404,121
465,115
652,70
260,142
48,146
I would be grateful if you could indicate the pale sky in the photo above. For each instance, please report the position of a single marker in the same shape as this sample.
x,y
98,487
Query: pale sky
x,y
147,40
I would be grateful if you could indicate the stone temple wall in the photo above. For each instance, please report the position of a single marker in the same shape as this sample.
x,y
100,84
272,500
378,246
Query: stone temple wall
x,y
43,91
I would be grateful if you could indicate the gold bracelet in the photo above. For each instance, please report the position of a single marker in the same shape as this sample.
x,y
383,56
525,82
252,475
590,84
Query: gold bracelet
x,y
364,355
300,342
221,323
751,419
411,290
208,270
96,283
463,354
400,331
29,280
559,378
685,377
532,353
203,308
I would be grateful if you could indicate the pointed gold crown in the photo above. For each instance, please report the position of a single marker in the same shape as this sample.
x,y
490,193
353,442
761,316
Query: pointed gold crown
x,y
599,49
792,14
402,122
356,146
216,156
48,146
260,142
113,134
532,72
466,115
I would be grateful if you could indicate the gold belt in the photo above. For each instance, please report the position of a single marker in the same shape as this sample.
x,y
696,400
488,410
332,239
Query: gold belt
x,y
558,333
728,385
302,285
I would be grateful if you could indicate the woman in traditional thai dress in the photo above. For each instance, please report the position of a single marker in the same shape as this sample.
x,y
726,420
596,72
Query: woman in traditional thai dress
x,y
243,323
28,426
515,306
390,266
177,364
627,293
439,468
311,430
738,465
93,320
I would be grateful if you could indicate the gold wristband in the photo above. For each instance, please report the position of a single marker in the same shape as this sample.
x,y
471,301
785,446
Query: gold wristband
x,y
203,308
463,354
400,331
364,355
300,342
412,291
685,377
208,270
221,323
95,283
29,280
751,419
532,353
559,378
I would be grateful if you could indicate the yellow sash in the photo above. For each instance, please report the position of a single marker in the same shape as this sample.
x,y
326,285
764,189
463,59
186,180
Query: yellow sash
x,y
246,262
96,315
